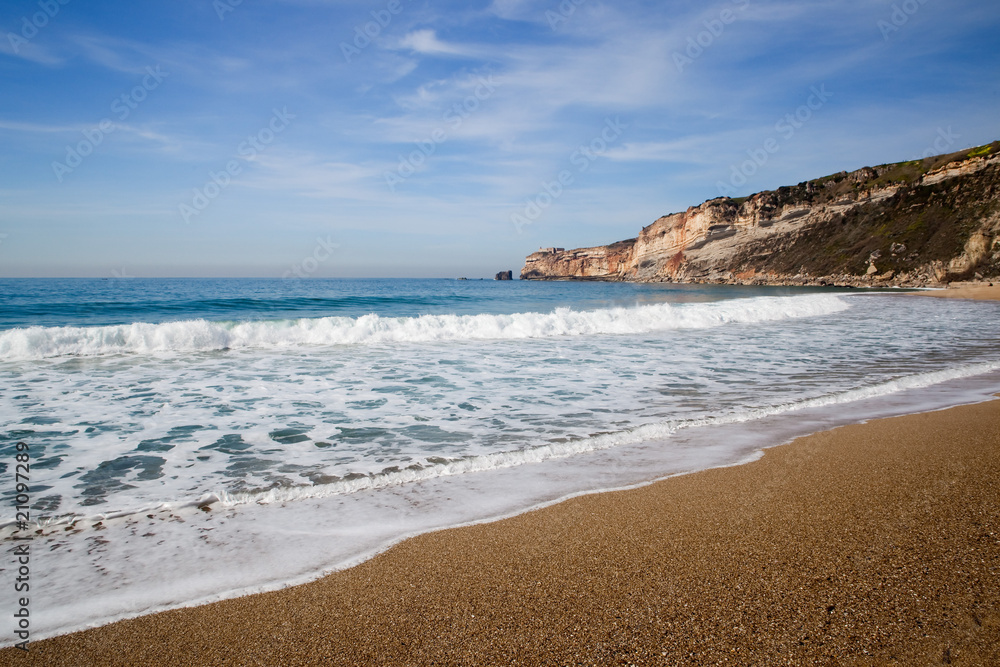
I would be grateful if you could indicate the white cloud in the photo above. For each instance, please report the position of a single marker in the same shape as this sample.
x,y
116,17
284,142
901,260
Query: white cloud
x,y
678,151
30,51
309,174
426,41
513,9
15,126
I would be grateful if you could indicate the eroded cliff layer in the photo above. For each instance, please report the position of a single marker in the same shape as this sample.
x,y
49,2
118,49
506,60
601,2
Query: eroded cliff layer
x,y
915,223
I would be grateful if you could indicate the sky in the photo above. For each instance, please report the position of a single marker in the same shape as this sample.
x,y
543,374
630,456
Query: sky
x,y
409,138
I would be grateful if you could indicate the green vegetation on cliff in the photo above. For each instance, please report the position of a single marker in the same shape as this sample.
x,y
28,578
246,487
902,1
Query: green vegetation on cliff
x,y
917,226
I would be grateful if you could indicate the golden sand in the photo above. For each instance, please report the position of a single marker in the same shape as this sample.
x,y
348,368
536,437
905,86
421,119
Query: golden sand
x,y
975,292
872,544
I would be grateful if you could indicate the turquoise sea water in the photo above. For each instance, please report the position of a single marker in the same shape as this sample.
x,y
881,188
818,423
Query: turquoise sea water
x,y
85,302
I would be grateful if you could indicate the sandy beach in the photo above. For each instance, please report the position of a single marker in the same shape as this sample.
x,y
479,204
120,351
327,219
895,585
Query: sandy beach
x,y
974,292
870,544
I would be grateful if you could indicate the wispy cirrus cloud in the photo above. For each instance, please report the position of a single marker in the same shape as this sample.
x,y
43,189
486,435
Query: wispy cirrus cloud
x,y
426,42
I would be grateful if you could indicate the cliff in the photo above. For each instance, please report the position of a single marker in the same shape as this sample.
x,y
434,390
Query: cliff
x,y
917,223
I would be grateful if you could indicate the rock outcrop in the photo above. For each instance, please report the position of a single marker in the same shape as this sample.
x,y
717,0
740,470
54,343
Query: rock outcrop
x,y
505,275
916,223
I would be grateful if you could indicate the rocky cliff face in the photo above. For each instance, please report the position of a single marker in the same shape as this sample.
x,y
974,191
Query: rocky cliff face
x,y
907,224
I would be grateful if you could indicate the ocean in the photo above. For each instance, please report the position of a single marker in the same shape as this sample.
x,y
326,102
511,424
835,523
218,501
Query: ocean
x,y
191,440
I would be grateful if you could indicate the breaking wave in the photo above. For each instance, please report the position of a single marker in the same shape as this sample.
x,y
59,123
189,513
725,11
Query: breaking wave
x,y
203,335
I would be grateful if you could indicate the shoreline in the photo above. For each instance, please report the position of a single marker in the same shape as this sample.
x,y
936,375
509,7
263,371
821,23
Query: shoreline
x,y
723,562
312,537
975,292
131,652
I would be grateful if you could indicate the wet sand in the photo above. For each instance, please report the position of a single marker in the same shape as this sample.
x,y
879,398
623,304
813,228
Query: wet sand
x,y
872,544
975,292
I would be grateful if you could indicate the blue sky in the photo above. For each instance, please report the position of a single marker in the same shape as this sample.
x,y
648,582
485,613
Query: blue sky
x,y
438,139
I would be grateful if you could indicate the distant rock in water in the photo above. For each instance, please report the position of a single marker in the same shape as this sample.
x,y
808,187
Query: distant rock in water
x,y
925,222
505,275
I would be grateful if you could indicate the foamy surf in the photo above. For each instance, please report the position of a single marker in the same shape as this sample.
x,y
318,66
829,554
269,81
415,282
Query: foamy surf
x,y
538,454
317,440
171,558
191,336
531,455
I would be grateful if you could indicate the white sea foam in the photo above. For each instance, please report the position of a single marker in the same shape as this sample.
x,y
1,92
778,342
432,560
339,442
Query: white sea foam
x,y
217,555
530,455
510,459
201,336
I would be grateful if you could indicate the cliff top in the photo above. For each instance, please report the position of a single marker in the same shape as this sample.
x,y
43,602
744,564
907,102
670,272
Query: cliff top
x,y
835,186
